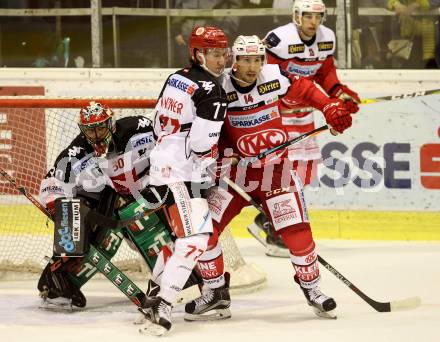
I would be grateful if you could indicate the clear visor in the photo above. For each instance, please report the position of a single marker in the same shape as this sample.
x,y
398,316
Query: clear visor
x,y
249,59
218,52
318,16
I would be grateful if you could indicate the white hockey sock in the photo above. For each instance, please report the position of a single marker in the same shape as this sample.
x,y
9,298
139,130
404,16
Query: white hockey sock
x,y
180,265
307,269
211,267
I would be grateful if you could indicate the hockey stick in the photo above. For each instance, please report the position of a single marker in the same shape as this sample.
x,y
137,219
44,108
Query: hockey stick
x,y
396,305
93,215
110,271
401,96
24,192
372,100
249,160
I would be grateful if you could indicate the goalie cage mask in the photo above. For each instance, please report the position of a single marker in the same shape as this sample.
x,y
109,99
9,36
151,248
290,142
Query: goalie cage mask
x,y
95,122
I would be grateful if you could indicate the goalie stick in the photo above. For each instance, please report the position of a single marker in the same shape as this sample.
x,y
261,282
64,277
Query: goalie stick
x,y
104,266
96,257
93,215
396,305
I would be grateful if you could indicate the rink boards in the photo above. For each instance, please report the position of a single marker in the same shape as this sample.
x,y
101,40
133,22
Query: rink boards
x,y
379,180
326,224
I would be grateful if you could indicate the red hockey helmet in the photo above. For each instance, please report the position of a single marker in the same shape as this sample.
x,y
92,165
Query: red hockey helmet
x,y
95,122
206,37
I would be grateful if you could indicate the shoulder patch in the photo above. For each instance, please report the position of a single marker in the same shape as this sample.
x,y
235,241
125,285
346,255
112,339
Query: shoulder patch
x,y
143,123
269,87
325,46
296,48
272,40
74,152
232,96
207,85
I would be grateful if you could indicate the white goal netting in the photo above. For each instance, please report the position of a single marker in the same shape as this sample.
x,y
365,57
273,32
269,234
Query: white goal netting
x,y
32,134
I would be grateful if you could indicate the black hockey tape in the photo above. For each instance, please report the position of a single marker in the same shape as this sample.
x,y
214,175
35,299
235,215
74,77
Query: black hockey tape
x,y
70,235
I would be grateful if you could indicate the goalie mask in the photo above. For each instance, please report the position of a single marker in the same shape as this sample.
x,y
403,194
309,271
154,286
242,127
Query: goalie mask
x,y
205,40
95,122
307,6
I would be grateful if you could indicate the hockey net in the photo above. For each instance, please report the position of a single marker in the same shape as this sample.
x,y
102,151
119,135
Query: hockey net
x,y
33,131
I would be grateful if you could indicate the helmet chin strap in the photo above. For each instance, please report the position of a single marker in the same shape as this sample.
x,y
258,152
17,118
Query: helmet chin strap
x,y
203,65
234,68
239,79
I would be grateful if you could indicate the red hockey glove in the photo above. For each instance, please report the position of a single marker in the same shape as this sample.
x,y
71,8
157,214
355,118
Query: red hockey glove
x,y
337,116
350,98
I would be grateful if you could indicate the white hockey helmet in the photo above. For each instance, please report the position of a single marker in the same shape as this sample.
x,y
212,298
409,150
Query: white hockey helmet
x,y
311,6
247,46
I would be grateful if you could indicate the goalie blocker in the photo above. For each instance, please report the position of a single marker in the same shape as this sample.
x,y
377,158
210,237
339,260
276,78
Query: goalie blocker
x,y
71,236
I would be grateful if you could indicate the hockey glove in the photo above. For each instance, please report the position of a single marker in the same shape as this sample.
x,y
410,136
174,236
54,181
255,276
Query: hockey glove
x,y
351,99
337,116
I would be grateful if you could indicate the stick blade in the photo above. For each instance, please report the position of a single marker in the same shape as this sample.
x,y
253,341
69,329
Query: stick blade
x,y
405,304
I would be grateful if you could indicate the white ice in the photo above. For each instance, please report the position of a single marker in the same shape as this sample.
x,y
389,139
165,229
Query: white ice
x,y
383,270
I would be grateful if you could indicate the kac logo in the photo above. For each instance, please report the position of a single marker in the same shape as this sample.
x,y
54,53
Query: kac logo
x,y
255,143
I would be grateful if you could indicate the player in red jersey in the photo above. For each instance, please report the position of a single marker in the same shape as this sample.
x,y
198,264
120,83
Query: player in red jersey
x,y
303,47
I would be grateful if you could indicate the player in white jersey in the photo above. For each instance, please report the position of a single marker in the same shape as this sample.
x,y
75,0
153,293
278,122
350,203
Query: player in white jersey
x,y
189,116
304,47
107,163
253,124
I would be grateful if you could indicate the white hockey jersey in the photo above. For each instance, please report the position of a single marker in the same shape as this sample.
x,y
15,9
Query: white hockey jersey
x,y
189,116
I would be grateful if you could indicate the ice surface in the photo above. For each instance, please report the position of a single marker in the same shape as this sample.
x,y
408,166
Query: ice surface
x,y
383,270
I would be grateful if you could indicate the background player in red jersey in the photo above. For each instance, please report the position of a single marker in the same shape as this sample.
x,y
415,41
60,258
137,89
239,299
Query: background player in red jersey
x,y
305,48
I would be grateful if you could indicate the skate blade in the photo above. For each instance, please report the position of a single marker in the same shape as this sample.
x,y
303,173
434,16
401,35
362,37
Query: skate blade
x,y
217,315
152,329
141,319
277,252
255,231
325,314
56,305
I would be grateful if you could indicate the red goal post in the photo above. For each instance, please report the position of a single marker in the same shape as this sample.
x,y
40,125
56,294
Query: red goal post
x,y
33,131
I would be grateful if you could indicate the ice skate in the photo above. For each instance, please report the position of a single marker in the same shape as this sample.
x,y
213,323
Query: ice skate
x,y
323,305
157,313
275,246
56,304
212,305
152,291
52,302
